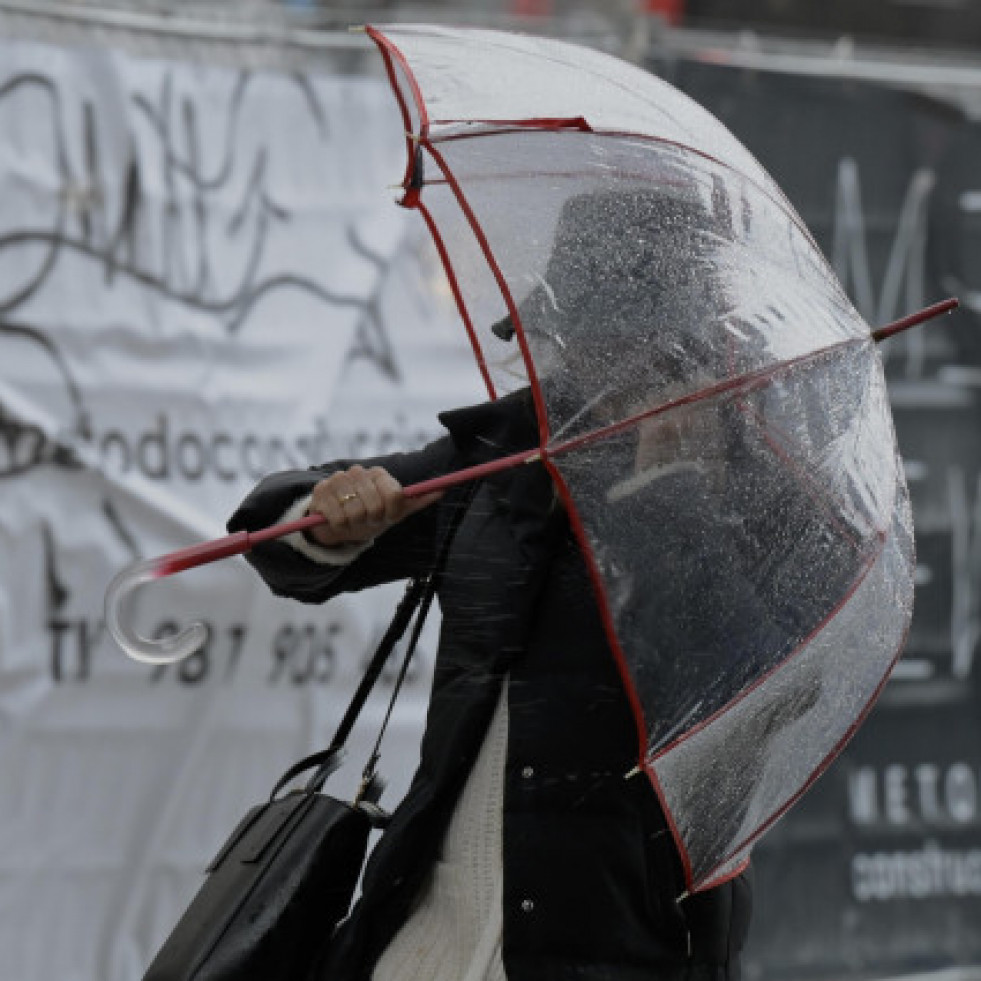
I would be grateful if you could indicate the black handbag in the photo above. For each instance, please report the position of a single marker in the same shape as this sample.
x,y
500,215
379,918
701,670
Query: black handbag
x,y
287,874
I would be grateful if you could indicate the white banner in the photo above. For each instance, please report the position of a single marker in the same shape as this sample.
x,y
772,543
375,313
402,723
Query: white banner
x,y
203,278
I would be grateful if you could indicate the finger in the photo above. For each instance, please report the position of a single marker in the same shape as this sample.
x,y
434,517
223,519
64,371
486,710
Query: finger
x,y
336,485
352,505
355,498
339,495
390,491
325,501
371,499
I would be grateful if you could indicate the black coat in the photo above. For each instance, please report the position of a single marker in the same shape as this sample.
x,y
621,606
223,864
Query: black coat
x,y
591,875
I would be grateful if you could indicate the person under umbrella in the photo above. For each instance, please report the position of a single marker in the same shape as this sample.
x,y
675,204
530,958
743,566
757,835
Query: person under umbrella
x,y
528,846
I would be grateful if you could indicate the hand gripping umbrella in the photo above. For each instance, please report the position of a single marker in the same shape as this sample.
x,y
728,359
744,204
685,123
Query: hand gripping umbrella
x,y
710,405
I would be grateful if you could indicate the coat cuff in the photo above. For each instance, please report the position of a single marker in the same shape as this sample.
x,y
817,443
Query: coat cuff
x,y
321,554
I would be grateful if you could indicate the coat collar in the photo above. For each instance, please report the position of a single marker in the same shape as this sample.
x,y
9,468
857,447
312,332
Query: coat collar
x,y
492,429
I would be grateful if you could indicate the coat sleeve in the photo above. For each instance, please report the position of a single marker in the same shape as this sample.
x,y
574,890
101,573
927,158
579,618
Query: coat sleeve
x,y
718,925
403,551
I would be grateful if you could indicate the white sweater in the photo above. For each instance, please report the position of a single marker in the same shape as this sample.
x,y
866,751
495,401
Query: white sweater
x,y
454,930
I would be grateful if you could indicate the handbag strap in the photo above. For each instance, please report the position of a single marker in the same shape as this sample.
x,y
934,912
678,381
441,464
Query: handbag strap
x,y
328,760
371,786
419,593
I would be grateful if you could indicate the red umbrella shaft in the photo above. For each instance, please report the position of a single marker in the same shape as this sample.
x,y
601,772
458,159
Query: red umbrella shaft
x,y
472,473
927,313
242,541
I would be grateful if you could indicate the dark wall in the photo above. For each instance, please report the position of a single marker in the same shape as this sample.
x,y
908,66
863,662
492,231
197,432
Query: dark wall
x,y
949,22
877,871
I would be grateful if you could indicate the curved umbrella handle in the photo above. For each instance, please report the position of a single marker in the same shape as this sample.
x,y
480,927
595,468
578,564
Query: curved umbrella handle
x,y
174,647
161,650
167,650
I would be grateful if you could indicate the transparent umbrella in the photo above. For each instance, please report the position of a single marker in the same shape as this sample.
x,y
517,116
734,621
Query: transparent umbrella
x,y
710,403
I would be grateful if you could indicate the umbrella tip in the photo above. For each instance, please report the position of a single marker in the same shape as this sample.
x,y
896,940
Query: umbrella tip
x,y
914,319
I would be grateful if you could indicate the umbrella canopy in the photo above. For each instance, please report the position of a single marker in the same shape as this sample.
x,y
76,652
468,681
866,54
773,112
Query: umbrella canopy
x,y
711,407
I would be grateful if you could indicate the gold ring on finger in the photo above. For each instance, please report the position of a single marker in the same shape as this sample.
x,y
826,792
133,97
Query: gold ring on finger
x,y
344,498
